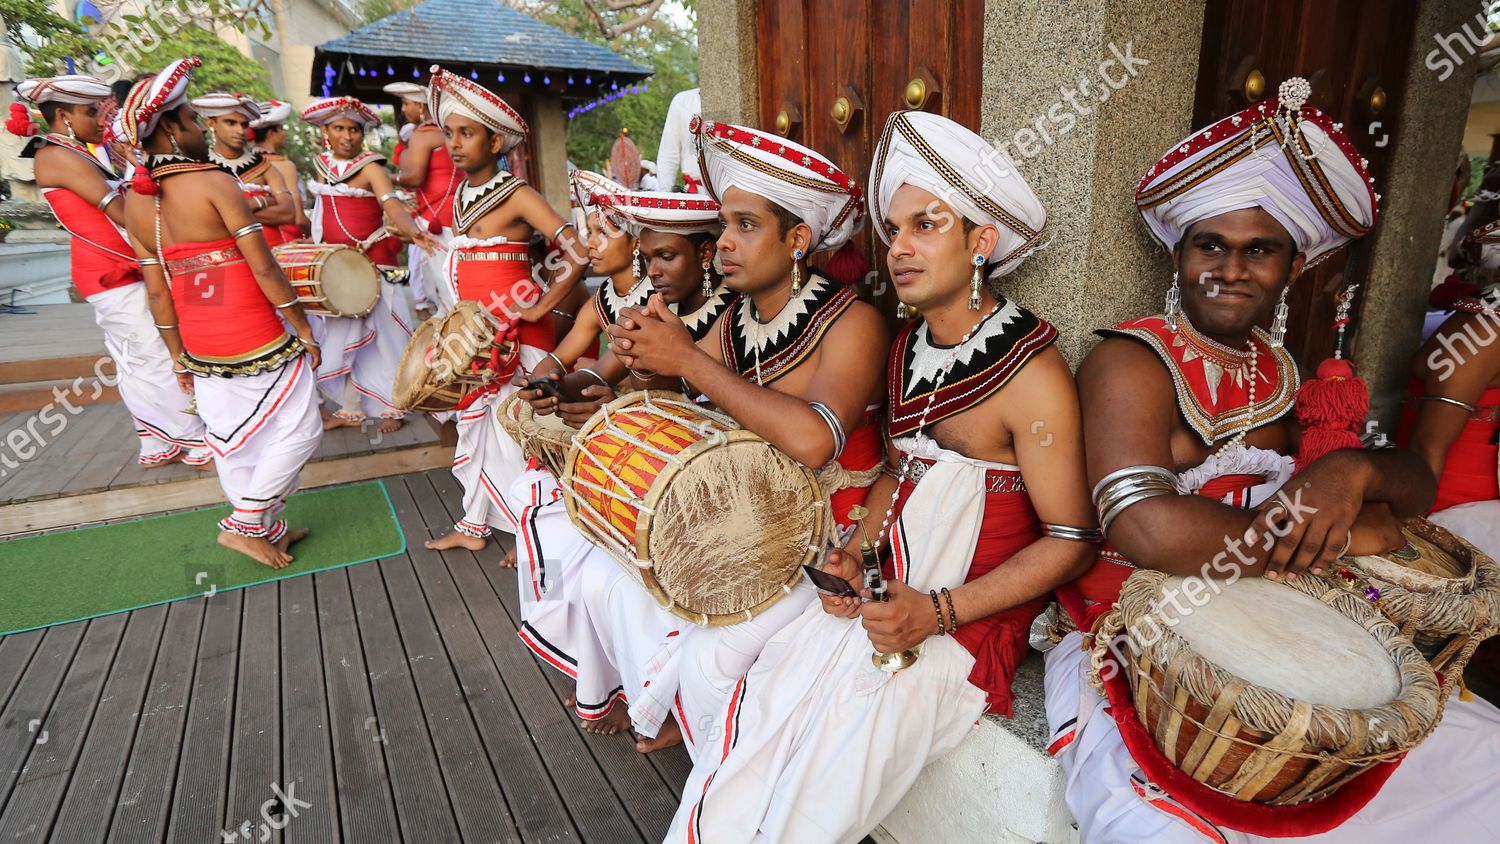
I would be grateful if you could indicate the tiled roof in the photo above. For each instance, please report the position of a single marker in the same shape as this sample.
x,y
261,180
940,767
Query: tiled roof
x,y
479,32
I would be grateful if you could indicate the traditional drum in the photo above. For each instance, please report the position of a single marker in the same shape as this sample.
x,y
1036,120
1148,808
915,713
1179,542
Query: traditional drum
x,y
451,359
714,521
1442,591
547,438
1271,692
330,279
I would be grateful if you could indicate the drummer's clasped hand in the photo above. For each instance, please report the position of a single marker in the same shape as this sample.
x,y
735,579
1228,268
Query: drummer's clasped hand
x,y
653,340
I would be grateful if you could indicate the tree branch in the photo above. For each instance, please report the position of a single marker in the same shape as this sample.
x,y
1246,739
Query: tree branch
x,y
636,22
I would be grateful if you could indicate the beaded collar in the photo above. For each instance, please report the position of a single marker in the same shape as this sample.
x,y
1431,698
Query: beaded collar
x,y
765,351
700,321
608,304
475,201
162,165
249,167
335,171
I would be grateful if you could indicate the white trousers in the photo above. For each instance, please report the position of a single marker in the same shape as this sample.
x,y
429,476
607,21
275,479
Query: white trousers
x,y
365,352
487,461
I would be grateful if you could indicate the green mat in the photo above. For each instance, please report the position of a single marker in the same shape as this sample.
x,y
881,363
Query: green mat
x,y
95,571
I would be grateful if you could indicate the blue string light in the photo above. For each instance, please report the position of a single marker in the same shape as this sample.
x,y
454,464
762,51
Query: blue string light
x,y
390,71
474,74
527,79
416,74
607,99
546,80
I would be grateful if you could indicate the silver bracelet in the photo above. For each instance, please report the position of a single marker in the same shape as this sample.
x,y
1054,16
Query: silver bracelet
x,y
313,343
559,232
160,327
596,376
557,360
1123,488
250,229
1455,402
285,305
1075,534
558,312
836,427
108,198
391,195
148,262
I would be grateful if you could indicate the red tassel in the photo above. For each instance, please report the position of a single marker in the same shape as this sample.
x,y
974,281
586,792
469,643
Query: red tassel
x,y
19,123
848,265
1332,409
143,184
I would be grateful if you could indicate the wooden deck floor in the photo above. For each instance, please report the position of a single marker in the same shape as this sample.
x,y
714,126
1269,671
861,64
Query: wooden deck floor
x,y
392,698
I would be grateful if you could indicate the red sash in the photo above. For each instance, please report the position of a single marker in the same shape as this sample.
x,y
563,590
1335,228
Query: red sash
x,y
863,451
221,312
101,259
435,196
1469,471
504,288
350,220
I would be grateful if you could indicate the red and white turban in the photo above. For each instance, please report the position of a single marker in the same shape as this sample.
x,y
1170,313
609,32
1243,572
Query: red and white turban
x,y
966,173
272,113
218,105
675,213
449,93
407,91
154,96
788,174
69,90
591,192
1281,155
1485,242
324,111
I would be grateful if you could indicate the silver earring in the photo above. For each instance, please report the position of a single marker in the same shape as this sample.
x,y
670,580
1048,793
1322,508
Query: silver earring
x,y
796,272
72,137
1174,301
176,150
903,310
635,263
1278,323
708,281
975,282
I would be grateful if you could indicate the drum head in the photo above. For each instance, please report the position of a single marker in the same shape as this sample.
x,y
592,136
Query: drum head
x,y
733,527
351,282
1435,561
413,373
1283,639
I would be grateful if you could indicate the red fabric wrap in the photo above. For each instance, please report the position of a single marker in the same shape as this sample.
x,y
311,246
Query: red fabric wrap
x,y
1469,471
862,451
998,642
221,312
273,235
504,288
101,259
289,232
435,196
351,219
1255,818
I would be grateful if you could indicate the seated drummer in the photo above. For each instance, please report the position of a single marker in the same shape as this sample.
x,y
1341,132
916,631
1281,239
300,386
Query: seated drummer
x,y
1188,432
984,500
494,217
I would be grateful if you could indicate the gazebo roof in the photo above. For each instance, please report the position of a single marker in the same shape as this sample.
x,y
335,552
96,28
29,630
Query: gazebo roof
x,y
474,34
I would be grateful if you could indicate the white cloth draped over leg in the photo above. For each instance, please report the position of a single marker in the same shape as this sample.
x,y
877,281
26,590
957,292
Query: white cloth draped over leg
x,y
1476,521
816,744
365,352
487,461
147,385
262,429
429,285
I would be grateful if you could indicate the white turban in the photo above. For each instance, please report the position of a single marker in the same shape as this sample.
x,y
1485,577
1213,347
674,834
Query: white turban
x,y
1486,242
272,113
449,93
70,90
154,96
218,105
966,173
675,213
1281,155
788,174
328,109
407,91
591,191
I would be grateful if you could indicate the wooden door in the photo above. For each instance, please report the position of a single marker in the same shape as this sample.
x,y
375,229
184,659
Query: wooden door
x,y
1354,52
867,53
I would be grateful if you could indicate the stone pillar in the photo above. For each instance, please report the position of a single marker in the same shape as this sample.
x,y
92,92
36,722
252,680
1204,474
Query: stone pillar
x,y
551,131
1101,265
1414,200
727,55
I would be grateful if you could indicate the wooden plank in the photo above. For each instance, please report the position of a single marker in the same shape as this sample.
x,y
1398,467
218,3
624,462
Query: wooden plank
x,y
16,651
198,801
200,492
539,812
421,797
29,813
645,796
255,749
366,806
95,786
569,764
146,794
25,715
473,785
306,754
50,468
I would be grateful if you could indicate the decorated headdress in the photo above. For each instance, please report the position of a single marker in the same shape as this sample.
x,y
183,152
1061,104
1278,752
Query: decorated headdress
x,y
324,111
661,211
272,113
592,190
407,91
218,105
449,93
72,90
154,96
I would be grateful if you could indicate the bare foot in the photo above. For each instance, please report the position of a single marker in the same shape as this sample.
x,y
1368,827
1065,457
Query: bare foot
x,y
454,539
572,701
290,538
337,421
258,550
617,721
509,562
669,735
389,426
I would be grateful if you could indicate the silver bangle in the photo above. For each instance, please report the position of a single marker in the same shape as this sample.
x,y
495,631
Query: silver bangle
x,y
285,305
1123,488
1455,402
160,327
836,427
557,360
596,376
148,262
1075,534
108,198
313,343
391,195
250,229
559,232
558,312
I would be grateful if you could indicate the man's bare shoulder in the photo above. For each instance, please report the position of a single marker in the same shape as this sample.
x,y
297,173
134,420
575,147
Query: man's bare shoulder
x,y
862,327
1121,359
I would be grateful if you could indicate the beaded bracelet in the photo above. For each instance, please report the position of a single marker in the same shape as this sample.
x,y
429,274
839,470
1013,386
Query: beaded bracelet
x,y
942,631
952,613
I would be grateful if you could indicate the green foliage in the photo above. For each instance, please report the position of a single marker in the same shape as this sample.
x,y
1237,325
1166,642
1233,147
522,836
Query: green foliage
x,y
25,18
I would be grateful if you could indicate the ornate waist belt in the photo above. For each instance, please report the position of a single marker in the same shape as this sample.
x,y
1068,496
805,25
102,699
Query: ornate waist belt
x,y
205,260
491,256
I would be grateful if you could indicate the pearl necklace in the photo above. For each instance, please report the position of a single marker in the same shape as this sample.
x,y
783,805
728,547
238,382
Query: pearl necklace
x,y
1238,440
909,457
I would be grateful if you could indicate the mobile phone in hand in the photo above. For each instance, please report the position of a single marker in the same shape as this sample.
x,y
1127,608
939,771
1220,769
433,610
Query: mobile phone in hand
x,y
830,583
547,386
